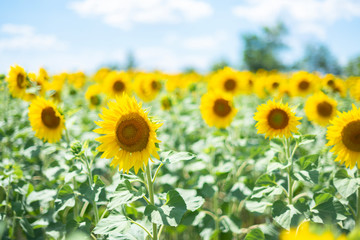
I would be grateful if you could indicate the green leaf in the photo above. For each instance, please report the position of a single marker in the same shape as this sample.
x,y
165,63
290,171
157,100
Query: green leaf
x,y
113,224
344,184
25,225
277,145
170,213
285,215
308,162
311,176
192,201
240,191
324,209
266,180
255,234
257,207
305,139
172,156
124,194
227,224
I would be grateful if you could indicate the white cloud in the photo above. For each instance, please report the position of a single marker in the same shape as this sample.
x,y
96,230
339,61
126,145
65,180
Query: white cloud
x,y
125,13
306,16
24,37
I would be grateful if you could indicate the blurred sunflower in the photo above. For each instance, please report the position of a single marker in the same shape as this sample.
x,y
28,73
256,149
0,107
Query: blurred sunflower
x,y
18,82
39,83
101,74
46,120
147,86
226,80
43,74
56,86
344,135
93,95
129,135
320,108
77,79
303,83
116,83
166,103
276,119
303,232
217,109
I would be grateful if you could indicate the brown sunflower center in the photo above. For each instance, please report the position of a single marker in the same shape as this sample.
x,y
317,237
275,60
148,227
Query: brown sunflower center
x,y
278,119
350,136
95,100
251,83
304,85
324,109
275,85
132,132
118,86
330,83
49,118
230,84
155,85
20,80
221,107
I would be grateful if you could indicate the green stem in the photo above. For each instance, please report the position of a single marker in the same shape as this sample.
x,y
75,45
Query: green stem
x,y
91,180
217,222
76,210
358,204
151,196
289,169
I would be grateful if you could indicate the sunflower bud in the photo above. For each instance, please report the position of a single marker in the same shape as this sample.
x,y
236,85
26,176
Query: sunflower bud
x,y
76,148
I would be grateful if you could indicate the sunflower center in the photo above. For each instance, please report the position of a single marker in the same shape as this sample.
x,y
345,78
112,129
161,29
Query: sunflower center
x,y
132,132
221,107
330,83
251,83
230,84
155,85
95,100
304,85
275,85
118,86
49,118
324,109
278,119
20,79
350,136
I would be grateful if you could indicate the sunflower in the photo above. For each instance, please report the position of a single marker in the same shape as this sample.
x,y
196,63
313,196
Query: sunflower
x,y
93,95
305,232
217,109
77,79
344,135
39,83
147,86
276,119
320,108
129,135
101,74
18,82
226,80
46,120
116,83
56,86
166,103
303,83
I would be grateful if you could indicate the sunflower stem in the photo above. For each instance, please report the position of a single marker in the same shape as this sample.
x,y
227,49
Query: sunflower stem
x,y
289,169
358,203
151,196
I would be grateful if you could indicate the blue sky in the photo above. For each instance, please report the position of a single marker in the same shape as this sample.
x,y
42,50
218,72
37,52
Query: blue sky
x,y
164,34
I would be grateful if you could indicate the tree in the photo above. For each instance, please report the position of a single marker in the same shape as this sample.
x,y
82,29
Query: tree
x,y
317,57
261,51
219,65
353,67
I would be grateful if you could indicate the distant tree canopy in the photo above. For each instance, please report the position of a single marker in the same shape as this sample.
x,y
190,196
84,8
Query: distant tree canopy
x,y
317,57
353,67
261,51
219,65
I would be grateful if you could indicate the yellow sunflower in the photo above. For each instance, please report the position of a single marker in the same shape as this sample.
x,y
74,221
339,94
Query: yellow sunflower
x,y
46,120
344,135
320,108
18,82
77,79
116,83
303,83
304,232
166,103
226,80
129,135
217,109
101,74
56,86
147,86
93,95
276,119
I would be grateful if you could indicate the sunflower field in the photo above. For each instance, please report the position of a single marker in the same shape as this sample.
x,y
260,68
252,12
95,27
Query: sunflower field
x,y
150,155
